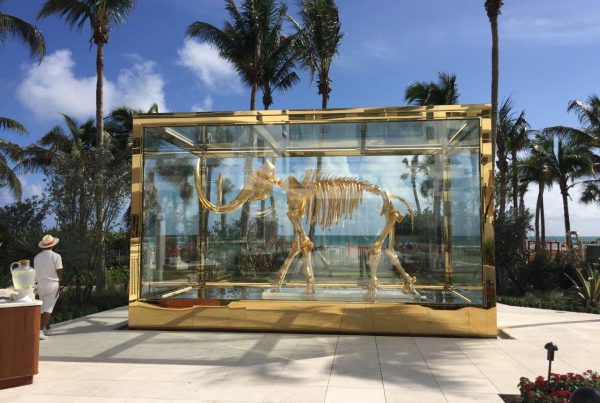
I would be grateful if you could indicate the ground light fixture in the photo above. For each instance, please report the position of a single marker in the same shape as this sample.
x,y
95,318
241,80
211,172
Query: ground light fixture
x,y
551,347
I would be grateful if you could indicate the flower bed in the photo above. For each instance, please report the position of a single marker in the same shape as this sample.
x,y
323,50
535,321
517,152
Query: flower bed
x,y
558,389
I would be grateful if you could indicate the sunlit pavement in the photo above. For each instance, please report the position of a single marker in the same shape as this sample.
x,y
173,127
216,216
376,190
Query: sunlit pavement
x,y
94,359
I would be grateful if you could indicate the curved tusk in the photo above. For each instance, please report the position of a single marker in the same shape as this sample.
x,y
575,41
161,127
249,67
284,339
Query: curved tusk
x,y
235,204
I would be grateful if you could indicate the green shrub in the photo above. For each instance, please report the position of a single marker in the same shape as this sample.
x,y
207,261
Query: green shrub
x,y
588,285
68,307
117,276
555,300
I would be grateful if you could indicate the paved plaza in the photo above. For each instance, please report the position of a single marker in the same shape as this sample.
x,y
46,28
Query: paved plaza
x,y
95,359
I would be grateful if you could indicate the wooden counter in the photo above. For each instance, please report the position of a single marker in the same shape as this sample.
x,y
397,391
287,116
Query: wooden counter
x,y
19,342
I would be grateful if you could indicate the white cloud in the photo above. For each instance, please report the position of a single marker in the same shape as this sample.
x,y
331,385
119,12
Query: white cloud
x,y
216,73
205,105
31,185
52,87
140,87
557,29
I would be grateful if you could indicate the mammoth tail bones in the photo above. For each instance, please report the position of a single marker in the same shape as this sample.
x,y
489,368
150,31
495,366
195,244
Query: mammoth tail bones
x,y
322,199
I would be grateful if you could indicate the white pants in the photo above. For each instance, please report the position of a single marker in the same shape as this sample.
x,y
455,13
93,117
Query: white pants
x,y
48,293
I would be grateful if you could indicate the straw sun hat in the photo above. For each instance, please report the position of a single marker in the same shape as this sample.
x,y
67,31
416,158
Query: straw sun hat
x,y
48,241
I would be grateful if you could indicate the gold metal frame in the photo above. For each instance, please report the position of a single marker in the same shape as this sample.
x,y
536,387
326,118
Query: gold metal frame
x,y
324,316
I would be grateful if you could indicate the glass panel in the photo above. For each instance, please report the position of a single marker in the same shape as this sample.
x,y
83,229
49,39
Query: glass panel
x,y
465,226
419,134
238,229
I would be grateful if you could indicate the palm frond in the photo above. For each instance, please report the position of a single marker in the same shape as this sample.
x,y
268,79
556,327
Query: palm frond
x,y
11,124
9,179
27,33
74,12
443,92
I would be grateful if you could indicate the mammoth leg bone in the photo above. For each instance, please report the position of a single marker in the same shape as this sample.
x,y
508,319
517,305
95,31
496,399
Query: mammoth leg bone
x,y
409,282
295,249
375,255
375,250
301,243
306,246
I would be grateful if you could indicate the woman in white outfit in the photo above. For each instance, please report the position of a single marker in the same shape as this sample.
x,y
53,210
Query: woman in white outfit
x,y
48,273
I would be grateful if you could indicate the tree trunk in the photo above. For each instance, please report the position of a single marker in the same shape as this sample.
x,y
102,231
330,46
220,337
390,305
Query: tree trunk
x,y
99,95
538,208
522,201
495,78
565,198
414,187
100,269
515,180
543,218
253,97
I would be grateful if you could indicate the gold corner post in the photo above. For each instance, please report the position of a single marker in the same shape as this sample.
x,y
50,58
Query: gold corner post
x,y
137,180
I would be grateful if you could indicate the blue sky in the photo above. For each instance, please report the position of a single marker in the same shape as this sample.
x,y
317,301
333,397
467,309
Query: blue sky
x,y
549,55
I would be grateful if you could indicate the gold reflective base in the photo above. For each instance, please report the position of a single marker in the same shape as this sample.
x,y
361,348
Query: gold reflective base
x,y
321,317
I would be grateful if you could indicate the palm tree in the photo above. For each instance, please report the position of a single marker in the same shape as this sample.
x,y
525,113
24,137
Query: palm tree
x,y
74,140
319,37
534,170
279,67
244,40
423,93
493,9
27,33
513,129
444,92
567,161
58,141
10,151
247,41
100,14
589,117
30,36
119,125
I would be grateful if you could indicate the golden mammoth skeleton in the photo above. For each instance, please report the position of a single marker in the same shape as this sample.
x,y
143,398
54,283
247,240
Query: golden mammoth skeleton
x,y
325,200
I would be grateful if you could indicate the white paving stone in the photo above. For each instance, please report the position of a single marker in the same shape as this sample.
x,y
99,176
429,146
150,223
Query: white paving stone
x,y
90,360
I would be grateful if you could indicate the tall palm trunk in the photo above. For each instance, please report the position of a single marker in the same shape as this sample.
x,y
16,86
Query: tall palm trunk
x,y
492,8
99,94
515,180
538,209
324,90
565,199
413,182
500,142
253,96
543,218
100,269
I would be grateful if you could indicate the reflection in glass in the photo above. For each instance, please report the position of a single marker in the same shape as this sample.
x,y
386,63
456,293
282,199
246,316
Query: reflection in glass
x,y
189,251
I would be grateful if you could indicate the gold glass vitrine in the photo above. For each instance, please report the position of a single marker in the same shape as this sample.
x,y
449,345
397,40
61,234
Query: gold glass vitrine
x,y
374,220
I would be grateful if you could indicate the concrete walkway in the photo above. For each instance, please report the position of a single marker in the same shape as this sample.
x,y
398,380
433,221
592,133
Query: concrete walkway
x,y
92,360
